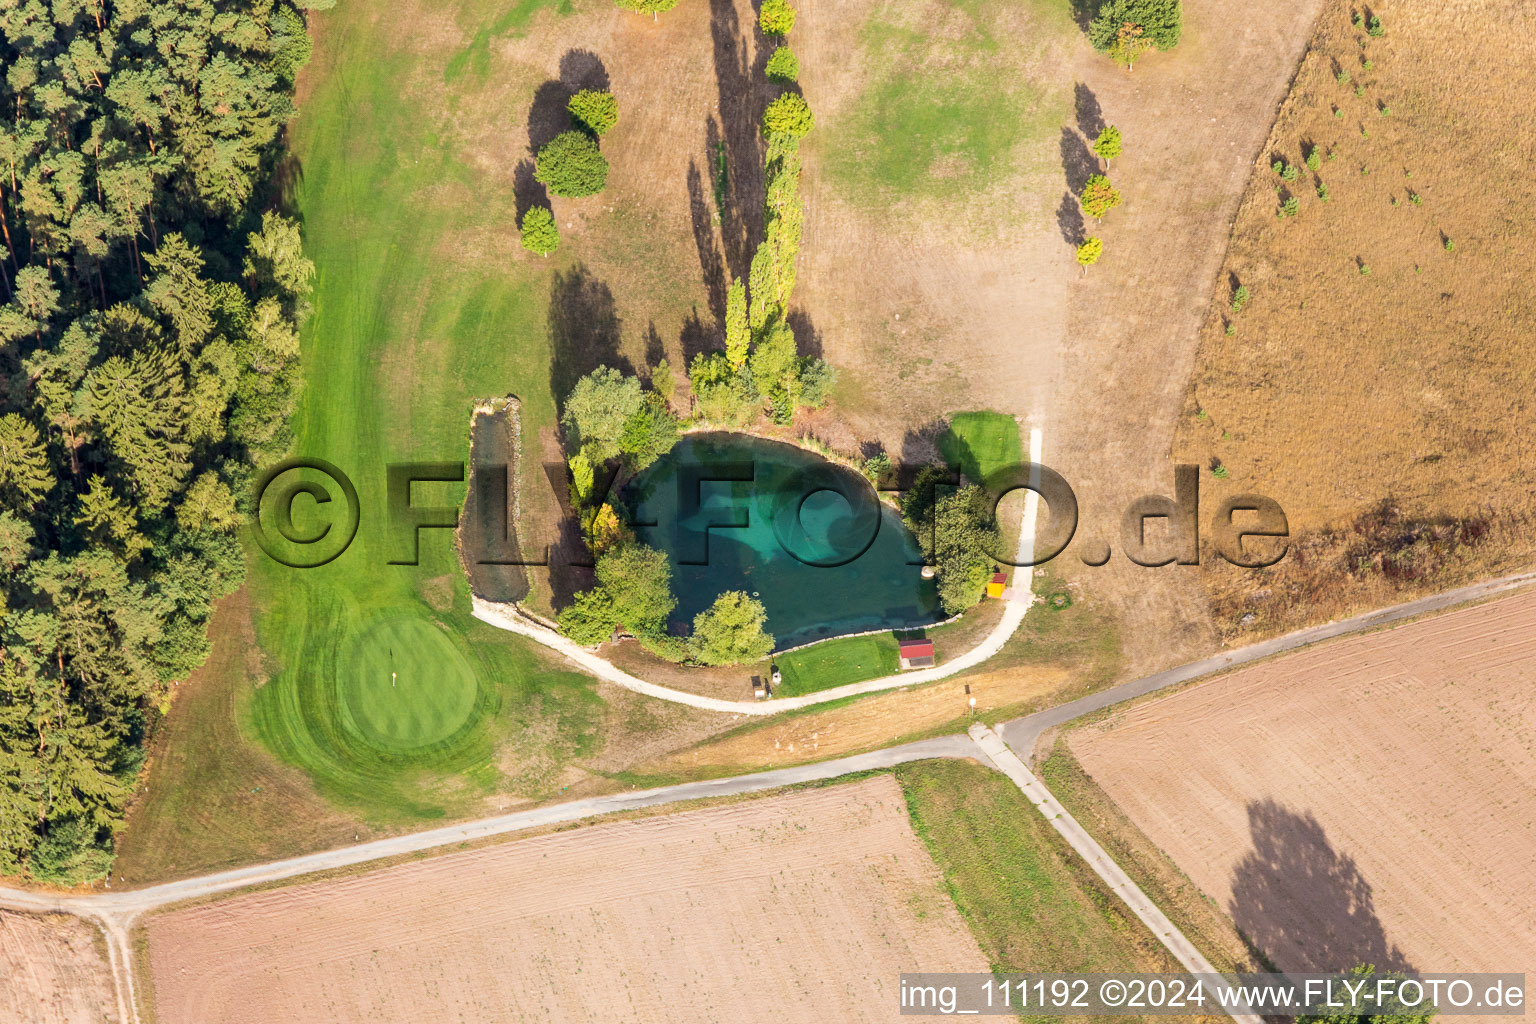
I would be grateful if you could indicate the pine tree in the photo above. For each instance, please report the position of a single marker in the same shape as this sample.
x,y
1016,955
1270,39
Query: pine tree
x,y
24,472
539,232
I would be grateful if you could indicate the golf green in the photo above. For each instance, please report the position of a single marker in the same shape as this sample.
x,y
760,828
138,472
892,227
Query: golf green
x,y
405,685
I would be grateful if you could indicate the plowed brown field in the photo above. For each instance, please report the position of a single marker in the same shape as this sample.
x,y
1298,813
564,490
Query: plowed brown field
x,y
1373,800
53,970
802,907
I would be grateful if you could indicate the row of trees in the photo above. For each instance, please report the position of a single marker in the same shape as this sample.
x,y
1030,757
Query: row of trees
x,y
761,363
610,416
148,354
1099,196
634,594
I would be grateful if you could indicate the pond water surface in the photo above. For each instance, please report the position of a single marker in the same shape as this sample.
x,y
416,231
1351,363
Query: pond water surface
x,y
735,512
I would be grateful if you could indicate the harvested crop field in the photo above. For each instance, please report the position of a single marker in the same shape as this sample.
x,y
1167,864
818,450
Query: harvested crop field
x,y
53,970
800,907
1372,800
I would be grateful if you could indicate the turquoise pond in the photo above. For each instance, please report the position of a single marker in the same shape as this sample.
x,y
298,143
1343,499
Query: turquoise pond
x,y
778,499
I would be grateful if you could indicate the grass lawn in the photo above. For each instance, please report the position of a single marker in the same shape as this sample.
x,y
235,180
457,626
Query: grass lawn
x,y
979,443
382,686
837,662
963,100
1030,901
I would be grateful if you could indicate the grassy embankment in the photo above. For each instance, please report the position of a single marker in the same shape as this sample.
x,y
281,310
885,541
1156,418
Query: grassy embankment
x,y
1031,902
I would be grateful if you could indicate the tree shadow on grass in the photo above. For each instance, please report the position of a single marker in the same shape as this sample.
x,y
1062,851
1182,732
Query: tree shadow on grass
x,y
1077,160
526,191
1298,900
548,117
1069,218
741,109
1090,116
584,330
711,259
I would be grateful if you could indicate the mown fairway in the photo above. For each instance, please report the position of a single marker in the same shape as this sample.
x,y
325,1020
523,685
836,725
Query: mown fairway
x,y
382,687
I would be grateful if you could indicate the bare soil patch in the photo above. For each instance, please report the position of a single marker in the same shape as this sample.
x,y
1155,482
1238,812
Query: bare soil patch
x,y
1377,384
53,970
1367,801
802,907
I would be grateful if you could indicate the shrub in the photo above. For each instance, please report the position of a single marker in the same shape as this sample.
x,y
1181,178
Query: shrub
x,y
1089,252
590,619
539,232
651,7
817,377
1375,28
1450,246
877,466
593,109
1107,145
776,18
789,117
1343,76
723,394
571,166
1365,269
1367,63
730,631
783,65
1231,328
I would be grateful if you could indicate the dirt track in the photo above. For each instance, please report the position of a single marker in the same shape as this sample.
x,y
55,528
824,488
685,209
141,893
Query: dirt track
x,y
53,971
804,907
1372,800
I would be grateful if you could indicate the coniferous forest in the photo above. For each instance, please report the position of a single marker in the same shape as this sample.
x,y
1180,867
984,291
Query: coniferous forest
x,y
150,294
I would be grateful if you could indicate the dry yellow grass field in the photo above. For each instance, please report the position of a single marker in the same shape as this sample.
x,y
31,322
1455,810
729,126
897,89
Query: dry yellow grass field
x,y
1377,382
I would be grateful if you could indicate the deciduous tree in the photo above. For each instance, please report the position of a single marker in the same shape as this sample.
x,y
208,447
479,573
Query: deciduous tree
x,y
730,631
776,17
1089,252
